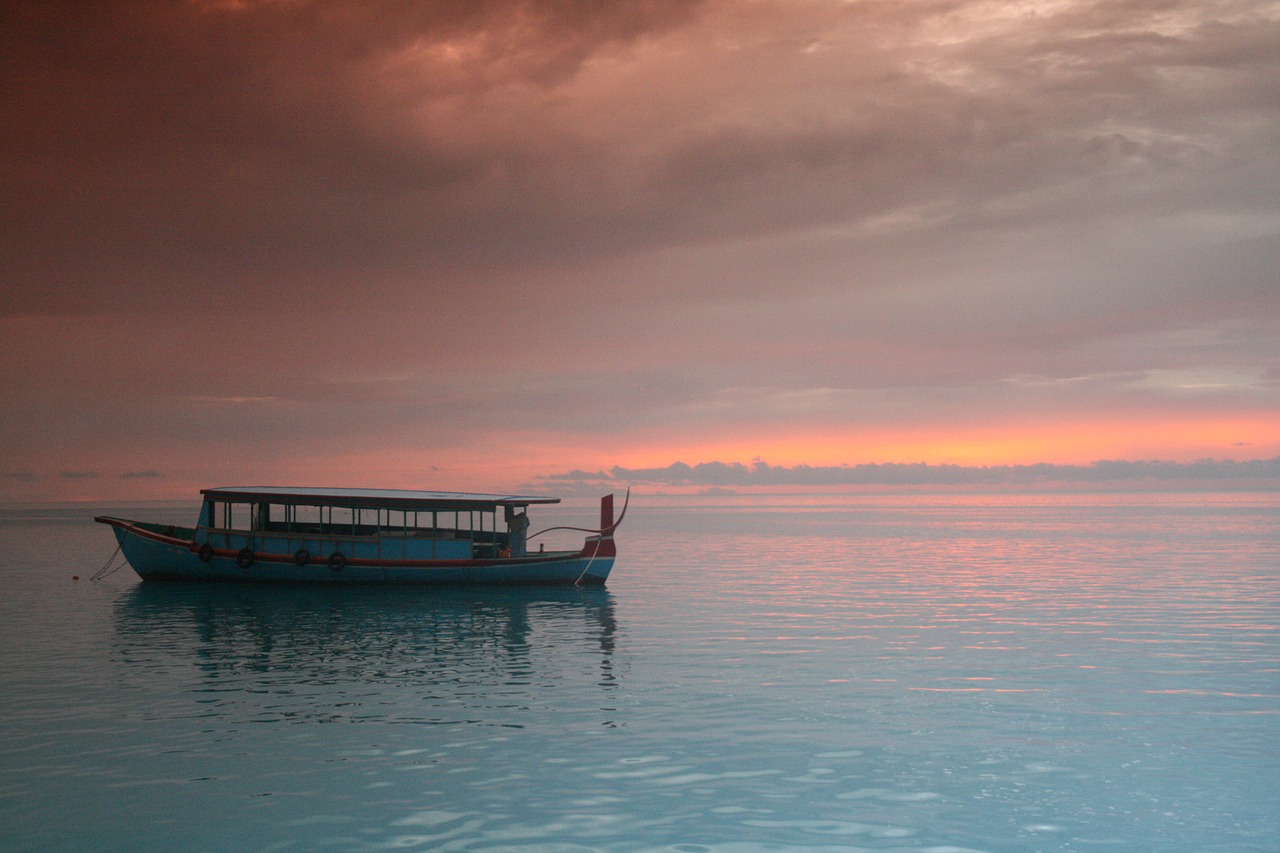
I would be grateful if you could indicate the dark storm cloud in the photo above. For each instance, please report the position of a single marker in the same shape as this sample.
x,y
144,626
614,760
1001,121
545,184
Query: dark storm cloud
x,y
261,148
157,146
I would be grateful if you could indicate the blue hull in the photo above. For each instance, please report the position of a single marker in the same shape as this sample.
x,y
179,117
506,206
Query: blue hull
x,y
155,556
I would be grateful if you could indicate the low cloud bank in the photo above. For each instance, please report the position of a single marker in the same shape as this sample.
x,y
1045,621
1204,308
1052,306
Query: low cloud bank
x,y
1258,473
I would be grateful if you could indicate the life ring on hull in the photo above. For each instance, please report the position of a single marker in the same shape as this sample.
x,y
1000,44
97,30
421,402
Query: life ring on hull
x,y
337,561
301,557
205,553
245,558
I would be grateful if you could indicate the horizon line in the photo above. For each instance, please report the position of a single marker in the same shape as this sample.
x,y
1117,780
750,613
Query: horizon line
x,y
761,473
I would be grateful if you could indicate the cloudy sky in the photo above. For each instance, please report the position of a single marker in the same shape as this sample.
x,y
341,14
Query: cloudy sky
x,y
471,244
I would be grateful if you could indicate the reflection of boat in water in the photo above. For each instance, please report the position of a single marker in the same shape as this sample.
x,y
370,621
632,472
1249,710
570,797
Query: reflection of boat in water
x,y
413,655
364,536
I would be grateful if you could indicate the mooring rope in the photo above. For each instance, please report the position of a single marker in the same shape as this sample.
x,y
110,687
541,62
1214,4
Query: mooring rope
x,y
108,569
578,582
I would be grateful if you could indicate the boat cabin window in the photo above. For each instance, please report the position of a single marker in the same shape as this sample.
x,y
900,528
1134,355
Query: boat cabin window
x,y
478,525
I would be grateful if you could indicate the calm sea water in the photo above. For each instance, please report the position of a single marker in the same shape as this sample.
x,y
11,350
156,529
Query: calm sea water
x,y
925,673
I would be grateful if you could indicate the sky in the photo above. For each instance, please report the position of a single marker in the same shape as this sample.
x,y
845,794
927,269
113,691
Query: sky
x,y
479,245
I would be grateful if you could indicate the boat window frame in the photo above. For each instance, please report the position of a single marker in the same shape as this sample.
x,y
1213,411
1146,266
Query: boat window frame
x,y
484,536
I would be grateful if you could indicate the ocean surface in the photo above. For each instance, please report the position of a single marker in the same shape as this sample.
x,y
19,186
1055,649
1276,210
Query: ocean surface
x,y
768,673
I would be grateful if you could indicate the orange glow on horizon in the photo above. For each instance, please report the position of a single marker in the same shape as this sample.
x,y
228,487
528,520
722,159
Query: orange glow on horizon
x,y
511,461
1076,443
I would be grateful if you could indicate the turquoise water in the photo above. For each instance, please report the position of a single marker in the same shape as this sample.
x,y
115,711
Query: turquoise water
x,y
924,673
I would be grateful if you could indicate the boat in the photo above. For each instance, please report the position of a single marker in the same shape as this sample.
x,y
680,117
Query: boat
x,y
365,536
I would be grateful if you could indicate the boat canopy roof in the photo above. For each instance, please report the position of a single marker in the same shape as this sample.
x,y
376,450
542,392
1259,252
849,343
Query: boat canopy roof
x,y
405,499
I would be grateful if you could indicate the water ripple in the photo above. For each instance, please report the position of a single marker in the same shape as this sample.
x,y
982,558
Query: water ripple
x,y
937,673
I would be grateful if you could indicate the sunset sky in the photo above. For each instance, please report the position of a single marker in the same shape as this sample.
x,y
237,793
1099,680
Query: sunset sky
x,y
482,245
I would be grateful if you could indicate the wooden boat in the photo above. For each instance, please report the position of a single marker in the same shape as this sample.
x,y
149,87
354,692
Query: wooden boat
x,y
364,536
